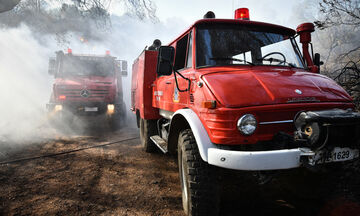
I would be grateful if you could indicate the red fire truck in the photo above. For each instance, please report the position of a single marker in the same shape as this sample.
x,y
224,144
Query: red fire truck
x,y
240,95
87,85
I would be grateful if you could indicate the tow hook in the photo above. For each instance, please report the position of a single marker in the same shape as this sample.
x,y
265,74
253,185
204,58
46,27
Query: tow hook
x,y
307,161
307,157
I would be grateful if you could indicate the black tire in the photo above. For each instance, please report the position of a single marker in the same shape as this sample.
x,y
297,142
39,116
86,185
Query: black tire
x,y
199,184
147,129
118,118
115,121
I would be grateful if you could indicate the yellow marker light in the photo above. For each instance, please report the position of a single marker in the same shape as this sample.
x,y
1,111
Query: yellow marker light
x,y
58,108
209,104
110,108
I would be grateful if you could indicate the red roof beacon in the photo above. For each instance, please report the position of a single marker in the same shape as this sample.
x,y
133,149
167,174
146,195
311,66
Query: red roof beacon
x,y
242,13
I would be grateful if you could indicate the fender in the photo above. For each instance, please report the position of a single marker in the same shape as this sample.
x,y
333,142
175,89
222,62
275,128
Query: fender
x,y
201,136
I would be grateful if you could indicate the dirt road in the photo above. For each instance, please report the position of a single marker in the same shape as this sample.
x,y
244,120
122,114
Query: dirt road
x,y
120,179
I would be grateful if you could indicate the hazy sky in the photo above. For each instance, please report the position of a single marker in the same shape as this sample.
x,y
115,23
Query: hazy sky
x,y
190,10
274,11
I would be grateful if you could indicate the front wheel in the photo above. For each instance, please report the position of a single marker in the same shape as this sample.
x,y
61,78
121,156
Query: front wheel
x,y
115,121
199,186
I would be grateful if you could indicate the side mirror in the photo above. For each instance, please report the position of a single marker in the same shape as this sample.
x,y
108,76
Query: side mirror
x,y
121,67
165,60
52,66
124,71
317,61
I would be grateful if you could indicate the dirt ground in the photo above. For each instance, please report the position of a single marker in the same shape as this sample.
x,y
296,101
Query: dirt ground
x,y
120,179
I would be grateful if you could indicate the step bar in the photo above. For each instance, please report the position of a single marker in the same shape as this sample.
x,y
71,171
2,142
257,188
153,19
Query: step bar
x,y
160,143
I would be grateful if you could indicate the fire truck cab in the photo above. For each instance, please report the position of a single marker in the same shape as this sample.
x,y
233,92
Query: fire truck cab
x,y
241,95
87,85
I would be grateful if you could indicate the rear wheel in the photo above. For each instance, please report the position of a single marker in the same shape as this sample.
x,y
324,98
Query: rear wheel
x,y
147,129
200,189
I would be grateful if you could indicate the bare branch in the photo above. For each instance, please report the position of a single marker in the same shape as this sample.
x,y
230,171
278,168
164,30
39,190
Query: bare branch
x,y
72,15
339,12
343,55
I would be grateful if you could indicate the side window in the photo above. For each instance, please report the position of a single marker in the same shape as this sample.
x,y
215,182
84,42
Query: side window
x,y
189,55
180,54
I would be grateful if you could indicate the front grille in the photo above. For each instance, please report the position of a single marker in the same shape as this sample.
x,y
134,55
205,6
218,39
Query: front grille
x,y
76,93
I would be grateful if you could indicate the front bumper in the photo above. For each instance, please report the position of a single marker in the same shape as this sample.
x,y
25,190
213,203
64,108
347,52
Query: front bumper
x,y
262,160
86,108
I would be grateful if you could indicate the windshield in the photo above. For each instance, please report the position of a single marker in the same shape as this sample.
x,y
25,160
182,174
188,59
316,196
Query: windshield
x,y
233,44
87,66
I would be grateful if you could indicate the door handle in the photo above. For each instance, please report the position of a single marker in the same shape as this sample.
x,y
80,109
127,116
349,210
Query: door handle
x,y
167,82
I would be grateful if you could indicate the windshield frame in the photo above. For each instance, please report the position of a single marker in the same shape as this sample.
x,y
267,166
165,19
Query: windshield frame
x,y
83,59
256,26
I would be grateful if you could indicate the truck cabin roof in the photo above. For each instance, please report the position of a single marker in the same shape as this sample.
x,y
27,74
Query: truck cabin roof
x,y
89,56
61,53
272,27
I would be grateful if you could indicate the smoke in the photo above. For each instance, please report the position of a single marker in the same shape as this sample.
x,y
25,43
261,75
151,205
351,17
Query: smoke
x,y
129,38
25,85
126,40
331,42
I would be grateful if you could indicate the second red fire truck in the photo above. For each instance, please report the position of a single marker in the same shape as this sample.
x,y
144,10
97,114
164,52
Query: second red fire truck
x,y
87,85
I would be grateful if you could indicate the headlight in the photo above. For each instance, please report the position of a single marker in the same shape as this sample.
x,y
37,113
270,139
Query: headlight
x,y
110,108
247,124
58,107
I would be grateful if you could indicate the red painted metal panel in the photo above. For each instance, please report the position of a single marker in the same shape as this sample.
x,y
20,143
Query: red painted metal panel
x,y
221,123
144,74
241,88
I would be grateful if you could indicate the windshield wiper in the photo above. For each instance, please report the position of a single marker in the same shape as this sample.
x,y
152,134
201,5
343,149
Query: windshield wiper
x,y
276,60
232,59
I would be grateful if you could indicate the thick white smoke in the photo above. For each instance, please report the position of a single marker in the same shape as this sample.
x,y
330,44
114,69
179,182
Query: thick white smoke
x,y
129,38
25,85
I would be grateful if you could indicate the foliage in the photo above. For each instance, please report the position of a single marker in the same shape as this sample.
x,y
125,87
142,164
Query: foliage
x,y
89,18
340,22
339,12
349,78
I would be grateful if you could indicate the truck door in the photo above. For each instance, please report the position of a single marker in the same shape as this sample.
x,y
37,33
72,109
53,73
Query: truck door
x,y
170,94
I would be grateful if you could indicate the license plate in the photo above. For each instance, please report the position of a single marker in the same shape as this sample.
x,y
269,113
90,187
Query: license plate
x,y
91,109
336,155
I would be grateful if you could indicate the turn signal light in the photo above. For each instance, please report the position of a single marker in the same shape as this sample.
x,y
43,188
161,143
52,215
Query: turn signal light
x,y
242,13
209,104
110,108
62,97
69,51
